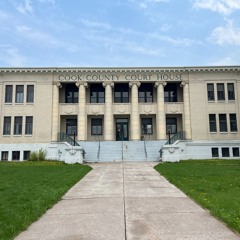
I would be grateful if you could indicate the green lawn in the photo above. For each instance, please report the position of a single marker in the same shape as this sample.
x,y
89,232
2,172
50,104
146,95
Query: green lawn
x,y
214,184
28,189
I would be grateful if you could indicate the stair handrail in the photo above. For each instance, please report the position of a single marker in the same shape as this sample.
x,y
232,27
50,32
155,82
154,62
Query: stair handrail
x,y
145,148
63,137
178,136
99,148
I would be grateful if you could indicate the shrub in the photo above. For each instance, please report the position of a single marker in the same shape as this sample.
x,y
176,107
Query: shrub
x,y
39,155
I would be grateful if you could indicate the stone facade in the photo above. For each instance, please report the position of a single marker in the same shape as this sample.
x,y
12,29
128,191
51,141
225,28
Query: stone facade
x,y
114,104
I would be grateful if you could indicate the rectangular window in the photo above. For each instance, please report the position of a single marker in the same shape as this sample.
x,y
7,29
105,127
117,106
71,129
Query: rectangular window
x,y
30,93
220,91
97,93
215,152
210,90
235,151
171,125
170,92
147,127
222,122
7,126
71,126
225,152
19,94
71,93
145,93
16,155
17,125
121,93
26,155
233,122
8,94
29,125
231,92
212,123
96,126
4,156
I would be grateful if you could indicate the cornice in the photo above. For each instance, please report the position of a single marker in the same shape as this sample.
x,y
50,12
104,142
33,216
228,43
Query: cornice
x,y
122,69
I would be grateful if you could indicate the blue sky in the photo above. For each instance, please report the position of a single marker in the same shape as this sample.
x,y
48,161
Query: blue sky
x,y
119,33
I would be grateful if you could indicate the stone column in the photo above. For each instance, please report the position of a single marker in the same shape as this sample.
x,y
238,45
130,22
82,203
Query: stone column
x,y
135,118
82,118
108,111
55,112
161,116
187,118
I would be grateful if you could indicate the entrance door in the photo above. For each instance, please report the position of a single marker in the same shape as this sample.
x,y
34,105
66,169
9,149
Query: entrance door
x,y
121,129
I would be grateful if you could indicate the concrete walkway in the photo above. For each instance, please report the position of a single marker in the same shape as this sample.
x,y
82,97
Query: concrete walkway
x,y
126,201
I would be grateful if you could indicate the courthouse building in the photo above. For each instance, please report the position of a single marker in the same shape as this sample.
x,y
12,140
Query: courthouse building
x,y
116,109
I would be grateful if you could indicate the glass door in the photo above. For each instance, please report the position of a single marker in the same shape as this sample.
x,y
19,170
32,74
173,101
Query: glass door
x,y
121,129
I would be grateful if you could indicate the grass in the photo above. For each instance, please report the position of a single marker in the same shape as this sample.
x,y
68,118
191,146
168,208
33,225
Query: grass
x,y
28,189
214,184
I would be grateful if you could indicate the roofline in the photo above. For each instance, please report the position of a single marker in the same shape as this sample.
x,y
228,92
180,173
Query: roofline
x,y
118,69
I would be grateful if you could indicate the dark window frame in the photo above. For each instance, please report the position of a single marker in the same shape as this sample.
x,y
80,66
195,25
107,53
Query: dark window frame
x,y
215,152
26,155
212,123
225,152
16,155
145,123
145,93
19,96
71,126
8,93
4,155
221,91
231,91
235,151
210,92
96,126
29,125
7,122
17,125
233,122
121,90
71,93
223,123
30,94
97,93
171,124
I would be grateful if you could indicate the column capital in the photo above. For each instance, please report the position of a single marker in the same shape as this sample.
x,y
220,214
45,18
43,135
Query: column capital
x,y
59,85
134,83
183,84
160,83
79,83
105,83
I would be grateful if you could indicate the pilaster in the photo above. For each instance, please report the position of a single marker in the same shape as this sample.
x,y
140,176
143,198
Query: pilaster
x,y
108,111
135,118
161,116
82,118
187,118
55,112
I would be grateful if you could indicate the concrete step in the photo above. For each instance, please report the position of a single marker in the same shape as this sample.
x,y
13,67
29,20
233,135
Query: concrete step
x,y
122,151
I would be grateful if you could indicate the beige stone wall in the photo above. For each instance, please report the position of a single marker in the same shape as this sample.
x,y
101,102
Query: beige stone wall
x,y
43,116
201,108
41,109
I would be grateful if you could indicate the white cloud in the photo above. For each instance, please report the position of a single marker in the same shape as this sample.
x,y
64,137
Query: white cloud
x,y
225,7
223,62
12,56
229,35
146,3
96,25
25,8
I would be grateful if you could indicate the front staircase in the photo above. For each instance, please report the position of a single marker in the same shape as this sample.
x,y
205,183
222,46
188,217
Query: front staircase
x,y
111,151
